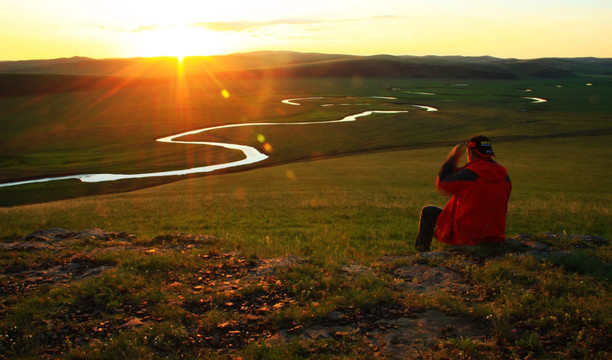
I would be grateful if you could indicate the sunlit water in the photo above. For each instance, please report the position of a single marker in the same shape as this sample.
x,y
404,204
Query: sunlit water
x,y
535,100
251,154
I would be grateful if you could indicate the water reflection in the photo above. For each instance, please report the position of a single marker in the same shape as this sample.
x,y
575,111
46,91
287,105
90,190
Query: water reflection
x,y
251,154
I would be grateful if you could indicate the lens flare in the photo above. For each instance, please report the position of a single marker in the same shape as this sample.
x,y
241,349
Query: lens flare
x,y
225,94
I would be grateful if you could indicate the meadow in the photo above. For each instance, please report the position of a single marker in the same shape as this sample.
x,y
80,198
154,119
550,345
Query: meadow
x,y
334,195
556,152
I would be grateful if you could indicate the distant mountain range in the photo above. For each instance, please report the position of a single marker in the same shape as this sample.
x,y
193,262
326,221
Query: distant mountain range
x,y
279,63
76,72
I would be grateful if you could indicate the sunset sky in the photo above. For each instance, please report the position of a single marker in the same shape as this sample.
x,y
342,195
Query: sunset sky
x,y
46,29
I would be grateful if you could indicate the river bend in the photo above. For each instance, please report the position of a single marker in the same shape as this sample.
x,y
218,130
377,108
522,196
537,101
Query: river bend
x,y
251,154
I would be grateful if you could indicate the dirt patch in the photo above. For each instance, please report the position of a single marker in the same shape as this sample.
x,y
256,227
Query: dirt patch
x,y
406,338
403,337
428,279
270,266
251,298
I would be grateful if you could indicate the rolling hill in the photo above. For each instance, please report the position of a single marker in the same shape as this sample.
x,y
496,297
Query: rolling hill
x,y
87,72
19,78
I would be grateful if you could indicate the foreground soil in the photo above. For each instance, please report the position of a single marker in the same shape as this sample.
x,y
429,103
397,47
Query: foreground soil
x,y
229,305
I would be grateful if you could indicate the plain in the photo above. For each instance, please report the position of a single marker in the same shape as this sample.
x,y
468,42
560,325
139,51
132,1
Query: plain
x,y
556,153
308,255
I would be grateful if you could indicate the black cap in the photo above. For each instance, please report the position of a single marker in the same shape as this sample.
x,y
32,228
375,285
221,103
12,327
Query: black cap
x,y
482,146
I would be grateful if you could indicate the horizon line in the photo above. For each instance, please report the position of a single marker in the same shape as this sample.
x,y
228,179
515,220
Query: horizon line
x,y
296,52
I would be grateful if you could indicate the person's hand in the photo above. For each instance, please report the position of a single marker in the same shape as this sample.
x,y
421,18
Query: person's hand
x,y
456,153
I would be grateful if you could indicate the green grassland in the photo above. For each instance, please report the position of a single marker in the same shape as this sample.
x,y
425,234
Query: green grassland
x,y
556,152
354,206
333,195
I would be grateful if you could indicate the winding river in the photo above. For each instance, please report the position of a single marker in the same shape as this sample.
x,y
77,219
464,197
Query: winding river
x,y
251,154
535,100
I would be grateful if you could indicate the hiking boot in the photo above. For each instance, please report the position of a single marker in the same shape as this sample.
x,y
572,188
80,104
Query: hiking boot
x,y
421,246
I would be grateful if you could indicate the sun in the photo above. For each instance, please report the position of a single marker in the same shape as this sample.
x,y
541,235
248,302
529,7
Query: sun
x,y
180,41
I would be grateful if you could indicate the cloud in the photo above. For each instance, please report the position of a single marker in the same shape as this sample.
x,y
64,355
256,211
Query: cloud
x,y
240,26
145,28
132,30
385,17
244,26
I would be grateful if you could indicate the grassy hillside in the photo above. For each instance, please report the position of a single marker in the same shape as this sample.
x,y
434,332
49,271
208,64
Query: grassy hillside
x,y
315,260
308,254
282,64
366,204
111,129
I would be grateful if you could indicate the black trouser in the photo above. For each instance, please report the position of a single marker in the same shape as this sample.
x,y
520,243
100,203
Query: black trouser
x,y
427,224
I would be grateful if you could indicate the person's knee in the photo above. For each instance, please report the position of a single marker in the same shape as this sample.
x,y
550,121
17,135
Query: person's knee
x,y
430,213
425,210
430,210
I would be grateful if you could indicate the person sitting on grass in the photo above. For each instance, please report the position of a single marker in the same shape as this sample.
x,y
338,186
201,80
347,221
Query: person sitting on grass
x,y
480,190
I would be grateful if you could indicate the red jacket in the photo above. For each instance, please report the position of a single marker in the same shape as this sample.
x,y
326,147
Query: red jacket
x,y
477,209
